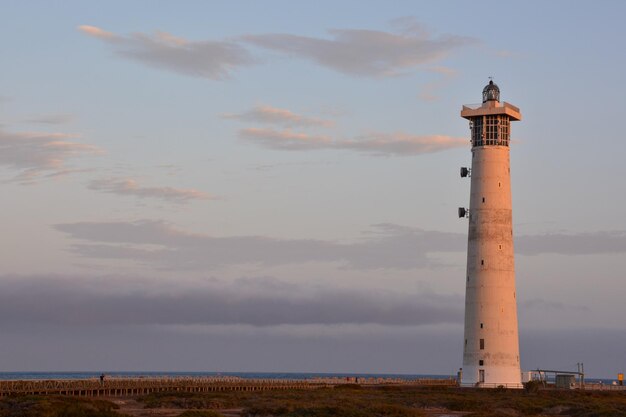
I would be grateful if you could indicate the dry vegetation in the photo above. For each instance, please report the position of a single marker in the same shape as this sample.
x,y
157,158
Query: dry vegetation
x,y
29,406
402,401
345,401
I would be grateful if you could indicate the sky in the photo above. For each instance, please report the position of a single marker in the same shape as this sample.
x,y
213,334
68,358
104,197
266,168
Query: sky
x,y
273,186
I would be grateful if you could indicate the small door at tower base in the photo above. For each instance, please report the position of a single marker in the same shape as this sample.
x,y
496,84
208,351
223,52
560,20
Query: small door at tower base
x,y
481,375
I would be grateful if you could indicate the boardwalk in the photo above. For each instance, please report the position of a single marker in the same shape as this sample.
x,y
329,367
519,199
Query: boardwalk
x,y
121,387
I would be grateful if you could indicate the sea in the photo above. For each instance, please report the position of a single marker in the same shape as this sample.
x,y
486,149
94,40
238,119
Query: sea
x,y
4,376
8,376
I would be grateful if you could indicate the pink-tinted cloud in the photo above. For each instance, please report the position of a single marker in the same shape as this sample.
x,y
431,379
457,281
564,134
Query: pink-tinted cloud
x,y
382,144
269,114
206,59
130,187
396,144
96,32
400,144
35,154
362,52
285,139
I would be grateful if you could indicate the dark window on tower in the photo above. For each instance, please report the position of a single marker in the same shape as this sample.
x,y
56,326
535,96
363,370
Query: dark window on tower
x,y
494,129
482,261
477,131
482,344
481,325
483,199
465,342
481,362
505,124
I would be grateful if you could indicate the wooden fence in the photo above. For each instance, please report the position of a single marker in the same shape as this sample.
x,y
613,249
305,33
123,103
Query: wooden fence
x,y
119,387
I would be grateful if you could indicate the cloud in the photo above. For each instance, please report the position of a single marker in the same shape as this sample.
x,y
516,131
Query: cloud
x,y
344,348
96,32
386,246
69,171
504,53
130,187
544,305
158,244
116,301
285,139
572,244
402,144
367,53
268,114
34,154
382,144
360,52
396,144
214,60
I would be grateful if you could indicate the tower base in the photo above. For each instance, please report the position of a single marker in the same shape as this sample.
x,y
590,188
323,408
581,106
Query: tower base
x,y
493,377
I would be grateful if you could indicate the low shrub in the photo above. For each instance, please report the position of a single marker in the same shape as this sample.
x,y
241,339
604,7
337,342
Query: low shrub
x,y
532,386
200,413
51,406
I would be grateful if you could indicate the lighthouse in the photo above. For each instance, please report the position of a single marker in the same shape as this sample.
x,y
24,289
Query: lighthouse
x,y
491,342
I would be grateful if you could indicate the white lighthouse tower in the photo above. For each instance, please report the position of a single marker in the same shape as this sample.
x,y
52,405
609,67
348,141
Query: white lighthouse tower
x,y
491,345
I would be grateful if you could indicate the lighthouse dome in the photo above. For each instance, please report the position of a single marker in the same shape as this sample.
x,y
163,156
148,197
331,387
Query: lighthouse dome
x,y
491,92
